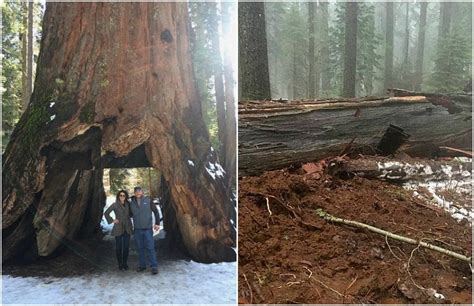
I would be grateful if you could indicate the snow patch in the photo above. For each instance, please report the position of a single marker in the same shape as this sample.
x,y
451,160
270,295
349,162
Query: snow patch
x,y
190,162
52,104
215,170
179,282
52,117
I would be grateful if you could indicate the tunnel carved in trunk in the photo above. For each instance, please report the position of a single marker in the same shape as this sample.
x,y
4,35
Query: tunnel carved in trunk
x,y
100,102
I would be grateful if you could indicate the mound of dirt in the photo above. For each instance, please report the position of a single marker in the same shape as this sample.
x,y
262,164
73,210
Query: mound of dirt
x,y
295,256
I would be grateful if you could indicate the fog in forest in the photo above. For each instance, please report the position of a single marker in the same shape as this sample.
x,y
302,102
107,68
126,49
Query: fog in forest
x,y
306,47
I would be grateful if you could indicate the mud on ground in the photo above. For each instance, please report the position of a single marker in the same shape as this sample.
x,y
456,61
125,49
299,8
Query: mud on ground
x,y
282,260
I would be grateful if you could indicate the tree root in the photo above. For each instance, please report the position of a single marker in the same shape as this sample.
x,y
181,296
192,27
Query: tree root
x,y
321,213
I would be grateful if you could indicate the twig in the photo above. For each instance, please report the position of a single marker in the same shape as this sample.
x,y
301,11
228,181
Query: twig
x,y
350,285
321,213
408,269
250,288
268,206
326,286
289,284
310,272
290,274
386,241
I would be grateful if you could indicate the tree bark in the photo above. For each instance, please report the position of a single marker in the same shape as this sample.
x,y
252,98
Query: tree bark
x,y
254,79
350,49
277,134
97,97
311,49
420,46
389,37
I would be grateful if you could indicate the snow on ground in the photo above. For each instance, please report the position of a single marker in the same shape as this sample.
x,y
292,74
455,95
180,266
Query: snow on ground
x,y
179,282
435,191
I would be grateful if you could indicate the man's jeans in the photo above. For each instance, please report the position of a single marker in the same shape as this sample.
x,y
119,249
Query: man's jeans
x,y
144,240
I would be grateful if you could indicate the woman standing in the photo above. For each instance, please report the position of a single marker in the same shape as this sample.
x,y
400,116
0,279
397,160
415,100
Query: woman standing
x,y
122,227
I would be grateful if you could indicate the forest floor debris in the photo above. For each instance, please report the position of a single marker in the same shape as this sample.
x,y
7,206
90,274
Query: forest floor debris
x,y
294,256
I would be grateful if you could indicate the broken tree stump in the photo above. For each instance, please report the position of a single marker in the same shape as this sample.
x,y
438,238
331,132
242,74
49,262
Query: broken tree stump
x,y
276,134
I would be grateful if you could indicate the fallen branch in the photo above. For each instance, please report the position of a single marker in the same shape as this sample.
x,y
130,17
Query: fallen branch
x,y
321,213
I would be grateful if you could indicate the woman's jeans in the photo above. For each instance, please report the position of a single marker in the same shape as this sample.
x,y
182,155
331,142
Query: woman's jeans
x,y
122,244
144,240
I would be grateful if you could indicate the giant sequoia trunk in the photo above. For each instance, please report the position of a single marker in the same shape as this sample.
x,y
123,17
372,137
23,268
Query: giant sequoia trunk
x,y
114,87
276,134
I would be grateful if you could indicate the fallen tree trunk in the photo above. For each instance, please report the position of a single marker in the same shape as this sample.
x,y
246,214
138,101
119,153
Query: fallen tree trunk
x,y
276,134
401,170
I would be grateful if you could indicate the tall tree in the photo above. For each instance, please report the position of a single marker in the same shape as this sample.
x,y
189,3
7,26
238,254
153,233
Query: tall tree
x,y
420,48
311,49
24,57
254,79
389,43
231,122
97,104
405,68
350,49
30,53
445,11
325,68
218,77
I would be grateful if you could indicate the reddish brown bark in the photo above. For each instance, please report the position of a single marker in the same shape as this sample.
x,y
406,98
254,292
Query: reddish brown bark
x,y
120,78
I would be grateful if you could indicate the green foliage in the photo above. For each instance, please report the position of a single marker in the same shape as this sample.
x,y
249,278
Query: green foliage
x,y
11,67
11,87
118,180
200,15
368,60
452,64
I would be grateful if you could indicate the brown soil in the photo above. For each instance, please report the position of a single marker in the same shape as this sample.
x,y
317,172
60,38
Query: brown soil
x,y
278,253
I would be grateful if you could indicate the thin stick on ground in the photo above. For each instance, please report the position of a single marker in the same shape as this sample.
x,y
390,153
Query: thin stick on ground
x,y
327,287
250,289
386,241
321,213
408,268
268,207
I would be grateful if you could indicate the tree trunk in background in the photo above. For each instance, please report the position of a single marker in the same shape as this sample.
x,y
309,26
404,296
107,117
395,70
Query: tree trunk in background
x,y
294,77
218,80
254,79
420,48
96,97
389,38
324,34
24,61
445,11
406,46
231,123
311,57
30,52
350,49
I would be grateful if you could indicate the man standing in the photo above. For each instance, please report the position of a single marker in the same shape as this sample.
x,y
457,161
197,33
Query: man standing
x,y
141,208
